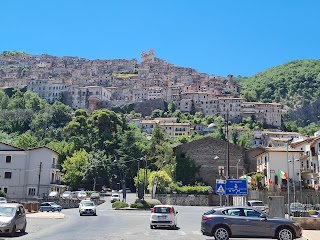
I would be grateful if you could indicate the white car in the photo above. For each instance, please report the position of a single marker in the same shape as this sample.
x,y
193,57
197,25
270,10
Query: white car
x,y
114,197
82,195
257,204
87,208
163,215
3,200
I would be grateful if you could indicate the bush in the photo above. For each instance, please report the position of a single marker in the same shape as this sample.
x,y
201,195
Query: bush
x,y
137,205
198,190
2,194
119,204
152,202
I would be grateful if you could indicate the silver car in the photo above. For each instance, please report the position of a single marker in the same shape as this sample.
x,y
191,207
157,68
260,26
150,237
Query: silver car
x,y
12,218
226,222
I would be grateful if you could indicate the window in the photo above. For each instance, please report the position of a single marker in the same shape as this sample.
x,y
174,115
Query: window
x,y
8,159
5,190
7,174
31,191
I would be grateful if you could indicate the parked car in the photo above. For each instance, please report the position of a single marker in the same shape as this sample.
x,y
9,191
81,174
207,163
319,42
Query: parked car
x,y
74,195
163,215
12,218
232,222
87,208
257,204
128,190
82,195
54,195
66,195
3,200
95,195
50,206
114,197
296,207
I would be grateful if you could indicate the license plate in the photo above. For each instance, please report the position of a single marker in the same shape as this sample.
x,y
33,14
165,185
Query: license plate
x,y
162,217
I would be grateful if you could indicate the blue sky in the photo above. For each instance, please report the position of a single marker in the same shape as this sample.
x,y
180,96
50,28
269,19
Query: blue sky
x,y
216,37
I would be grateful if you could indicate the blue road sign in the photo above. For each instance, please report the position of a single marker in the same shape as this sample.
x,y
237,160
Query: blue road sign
x,y
236,187
220,186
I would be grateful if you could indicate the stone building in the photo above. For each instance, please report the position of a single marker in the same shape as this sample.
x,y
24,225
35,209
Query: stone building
x,y
211,155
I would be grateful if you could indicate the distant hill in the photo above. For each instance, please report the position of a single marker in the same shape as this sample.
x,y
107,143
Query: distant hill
x,y
295,84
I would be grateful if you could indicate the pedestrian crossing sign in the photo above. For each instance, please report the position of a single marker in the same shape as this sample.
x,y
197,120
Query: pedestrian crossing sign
x,y
220,186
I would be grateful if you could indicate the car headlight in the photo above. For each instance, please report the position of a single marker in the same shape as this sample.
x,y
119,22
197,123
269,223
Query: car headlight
x,y
4,224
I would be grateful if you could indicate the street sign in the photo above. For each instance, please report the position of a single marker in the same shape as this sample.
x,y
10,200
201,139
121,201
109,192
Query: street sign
x,y
236,187
220,186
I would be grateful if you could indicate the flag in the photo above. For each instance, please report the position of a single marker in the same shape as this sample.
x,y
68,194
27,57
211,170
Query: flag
x,y
282,175
249,179
270,181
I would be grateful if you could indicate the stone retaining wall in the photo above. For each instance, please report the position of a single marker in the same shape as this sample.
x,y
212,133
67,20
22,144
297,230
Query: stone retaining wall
x,y
308,223
183,199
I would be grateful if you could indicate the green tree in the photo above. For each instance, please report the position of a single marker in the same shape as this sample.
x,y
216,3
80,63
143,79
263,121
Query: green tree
x,y
186,169
74,168
161,179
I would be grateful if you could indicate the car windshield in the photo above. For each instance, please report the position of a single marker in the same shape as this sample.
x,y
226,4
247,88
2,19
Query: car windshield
x,y
162,210
88,204
7,211
255,204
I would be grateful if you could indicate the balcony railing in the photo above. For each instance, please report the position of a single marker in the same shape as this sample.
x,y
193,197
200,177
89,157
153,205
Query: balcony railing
x,y
55,182
55,166
307,170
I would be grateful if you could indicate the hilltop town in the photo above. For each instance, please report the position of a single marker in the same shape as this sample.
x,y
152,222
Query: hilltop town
x,y
93,84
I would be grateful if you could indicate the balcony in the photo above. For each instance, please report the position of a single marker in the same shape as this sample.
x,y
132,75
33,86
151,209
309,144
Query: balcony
x,y
307,170
55,166
55,181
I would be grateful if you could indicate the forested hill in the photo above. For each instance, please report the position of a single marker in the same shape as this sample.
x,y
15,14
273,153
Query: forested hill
x,y
295,84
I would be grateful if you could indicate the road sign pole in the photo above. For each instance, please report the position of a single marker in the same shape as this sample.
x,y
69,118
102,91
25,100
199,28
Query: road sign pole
x,y
220,195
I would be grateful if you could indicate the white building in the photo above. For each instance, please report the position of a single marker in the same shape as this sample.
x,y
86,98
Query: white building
x,y
272,160
47,90
20,170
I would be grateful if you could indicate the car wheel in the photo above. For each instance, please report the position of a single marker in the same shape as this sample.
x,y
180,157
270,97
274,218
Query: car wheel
x,y
23,230
53,210
151,226
80,214
285,234
41,210
221,233
13,232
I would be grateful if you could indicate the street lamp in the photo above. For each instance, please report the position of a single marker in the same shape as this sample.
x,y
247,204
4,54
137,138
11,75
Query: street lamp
x,y
288,183
238,161
155,181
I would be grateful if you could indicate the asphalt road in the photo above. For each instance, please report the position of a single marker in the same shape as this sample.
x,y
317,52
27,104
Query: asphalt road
x,y
114,225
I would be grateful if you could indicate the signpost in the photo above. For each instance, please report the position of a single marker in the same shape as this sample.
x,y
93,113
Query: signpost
x,y
220,188
236,187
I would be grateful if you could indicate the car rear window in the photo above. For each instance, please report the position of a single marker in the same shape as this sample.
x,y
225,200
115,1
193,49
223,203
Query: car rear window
x,y
162,210
209,212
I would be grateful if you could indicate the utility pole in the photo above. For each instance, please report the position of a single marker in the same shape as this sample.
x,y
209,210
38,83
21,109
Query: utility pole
x,y
228,155
40,168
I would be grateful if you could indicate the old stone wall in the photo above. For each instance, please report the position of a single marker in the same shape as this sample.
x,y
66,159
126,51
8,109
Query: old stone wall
x,y
210,153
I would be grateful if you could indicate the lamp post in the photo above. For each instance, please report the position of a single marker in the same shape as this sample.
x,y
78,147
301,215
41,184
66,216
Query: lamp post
x,y
288,183
239,160
228,159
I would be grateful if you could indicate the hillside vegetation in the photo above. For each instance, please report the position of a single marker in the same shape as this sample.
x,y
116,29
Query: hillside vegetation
x,y
292,81
295,84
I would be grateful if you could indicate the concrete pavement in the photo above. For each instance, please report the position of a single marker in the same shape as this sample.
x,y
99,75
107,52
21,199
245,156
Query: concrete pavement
x,y
311,234
306,234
